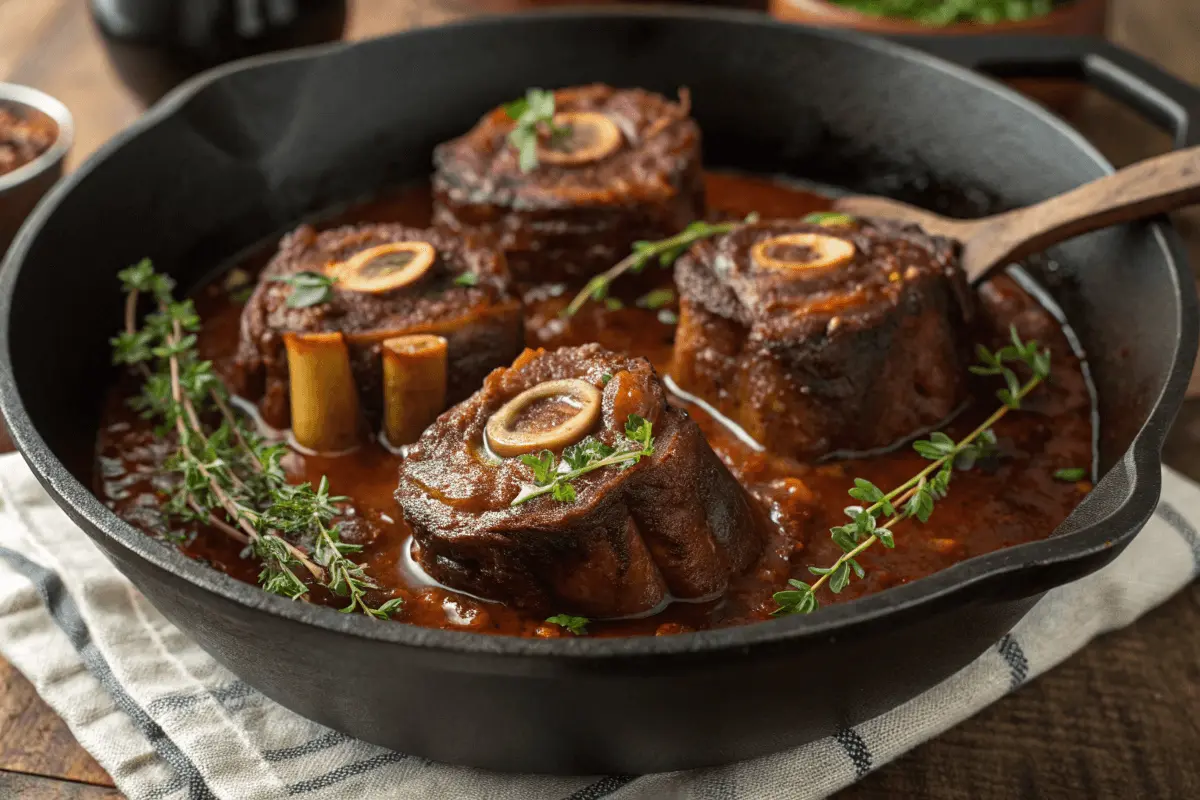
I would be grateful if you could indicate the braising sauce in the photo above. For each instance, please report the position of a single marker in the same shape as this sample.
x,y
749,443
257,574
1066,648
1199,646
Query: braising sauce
x,y
1001,502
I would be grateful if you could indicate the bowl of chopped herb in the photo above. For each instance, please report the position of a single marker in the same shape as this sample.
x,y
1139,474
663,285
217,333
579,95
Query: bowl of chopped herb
x,y
950,17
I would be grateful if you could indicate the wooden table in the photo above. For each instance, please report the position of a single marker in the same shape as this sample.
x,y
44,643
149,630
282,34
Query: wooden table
x,y
1112,721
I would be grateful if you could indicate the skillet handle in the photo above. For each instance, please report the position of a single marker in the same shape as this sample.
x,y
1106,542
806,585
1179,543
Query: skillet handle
x,y
1167,101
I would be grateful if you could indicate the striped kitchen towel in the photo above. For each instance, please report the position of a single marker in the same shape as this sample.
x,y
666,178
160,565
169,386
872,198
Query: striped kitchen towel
x,y
167,722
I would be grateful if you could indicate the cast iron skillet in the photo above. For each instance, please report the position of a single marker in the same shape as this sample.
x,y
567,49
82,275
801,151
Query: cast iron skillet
x,y
247,151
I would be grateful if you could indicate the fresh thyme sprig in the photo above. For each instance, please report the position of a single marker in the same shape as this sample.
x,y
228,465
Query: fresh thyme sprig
x,y
665,250
916,496
533,114
576,625
308,288
553,477
228,477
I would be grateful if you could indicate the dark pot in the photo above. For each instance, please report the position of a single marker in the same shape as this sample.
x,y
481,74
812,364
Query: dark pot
x,y
157,44
251,149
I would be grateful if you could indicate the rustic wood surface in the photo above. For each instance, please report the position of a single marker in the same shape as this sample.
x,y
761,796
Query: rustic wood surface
x,y
1116,720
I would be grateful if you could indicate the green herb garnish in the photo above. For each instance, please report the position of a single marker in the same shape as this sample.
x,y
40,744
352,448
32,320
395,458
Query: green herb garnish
x,y
1070,474
533,115
665,250
946,12
605,378
829,219
308,288
467,279
916,496
656,299
576,625
229,477
554,477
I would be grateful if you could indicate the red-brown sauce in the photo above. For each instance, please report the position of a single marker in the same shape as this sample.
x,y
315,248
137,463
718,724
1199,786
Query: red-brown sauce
x,y
24,135
1013,500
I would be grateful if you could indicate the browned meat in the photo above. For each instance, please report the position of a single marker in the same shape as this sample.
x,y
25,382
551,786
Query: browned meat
x,y
675,524
481,323
564,221
23,137
811,359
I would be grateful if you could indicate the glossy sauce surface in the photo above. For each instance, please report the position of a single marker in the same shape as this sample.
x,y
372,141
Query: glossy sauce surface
x,y
1001,502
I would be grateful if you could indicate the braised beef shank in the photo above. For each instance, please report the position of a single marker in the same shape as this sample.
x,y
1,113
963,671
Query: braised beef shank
x,y
812,361
676,524
564,221
482,323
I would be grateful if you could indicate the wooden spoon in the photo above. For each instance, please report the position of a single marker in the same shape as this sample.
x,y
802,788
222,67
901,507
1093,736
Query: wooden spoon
x,y
1151,187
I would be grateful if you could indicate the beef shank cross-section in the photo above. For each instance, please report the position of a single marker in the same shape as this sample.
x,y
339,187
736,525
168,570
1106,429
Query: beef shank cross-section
x,y
629,169
822,339
675,524
388,281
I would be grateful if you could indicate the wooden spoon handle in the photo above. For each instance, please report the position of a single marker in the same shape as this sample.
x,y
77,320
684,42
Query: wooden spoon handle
x,y
1148,188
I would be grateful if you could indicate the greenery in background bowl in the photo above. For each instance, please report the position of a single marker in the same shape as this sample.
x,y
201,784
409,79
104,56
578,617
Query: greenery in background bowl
x,y
945,12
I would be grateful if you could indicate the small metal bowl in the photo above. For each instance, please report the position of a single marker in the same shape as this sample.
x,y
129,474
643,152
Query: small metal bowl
x,y
21,189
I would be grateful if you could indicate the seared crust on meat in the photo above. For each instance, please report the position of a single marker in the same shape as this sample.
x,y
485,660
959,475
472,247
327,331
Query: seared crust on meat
x,y
563,222
812,362
674,524
482,323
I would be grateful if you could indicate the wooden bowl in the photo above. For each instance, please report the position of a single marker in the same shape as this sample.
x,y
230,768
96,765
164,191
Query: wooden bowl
x,y
1081,17
1078,18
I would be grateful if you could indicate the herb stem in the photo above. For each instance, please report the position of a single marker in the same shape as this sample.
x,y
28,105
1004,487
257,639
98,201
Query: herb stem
x,y
192,428
899,497
666,250
219,523
227,413
902,493
959,447
872,539
528,493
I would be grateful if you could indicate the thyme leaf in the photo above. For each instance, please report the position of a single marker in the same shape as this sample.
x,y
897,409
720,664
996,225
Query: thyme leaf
x,y
467,279
665,251
829,219
533,114
227,476
554,477
308,288
1070,474
656,299
576,625
916,497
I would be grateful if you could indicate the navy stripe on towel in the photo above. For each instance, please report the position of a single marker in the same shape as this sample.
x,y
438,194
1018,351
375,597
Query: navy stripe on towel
x,y
66,615
323,742
602,788
856,749
1014,656
343,773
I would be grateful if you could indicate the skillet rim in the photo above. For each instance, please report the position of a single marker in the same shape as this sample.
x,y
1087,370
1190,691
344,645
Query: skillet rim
x,y
1140,462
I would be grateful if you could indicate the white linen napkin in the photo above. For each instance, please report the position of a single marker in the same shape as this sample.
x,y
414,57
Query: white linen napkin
x,y
167,722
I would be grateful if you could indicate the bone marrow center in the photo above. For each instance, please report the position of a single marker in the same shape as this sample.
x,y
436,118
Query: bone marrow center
x,y
802,251
549,416
588,137
384,268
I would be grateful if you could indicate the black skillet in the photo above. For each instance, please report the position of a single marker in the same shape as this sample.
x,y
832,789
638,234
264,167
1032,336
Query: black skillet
x,y
246,151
